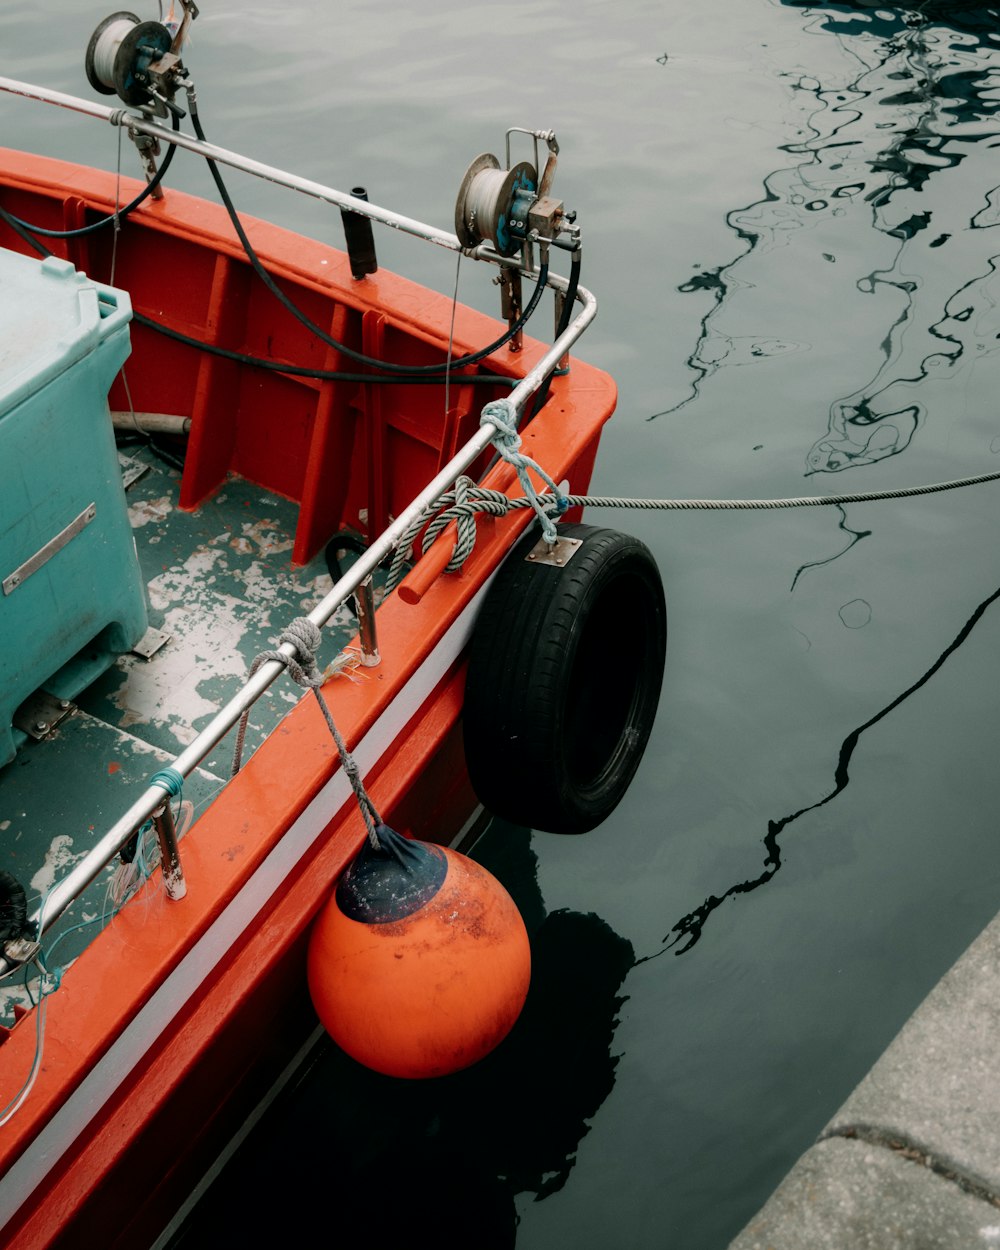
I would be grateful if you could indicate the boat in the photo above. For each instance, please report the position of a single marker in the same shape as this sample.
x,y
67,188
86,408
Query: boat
x,y
228,454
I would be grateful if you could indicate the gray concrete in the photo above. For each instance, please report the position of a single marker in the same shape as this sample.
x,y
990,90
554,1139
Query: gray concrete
x,y
937,1087
846,1195
912,1159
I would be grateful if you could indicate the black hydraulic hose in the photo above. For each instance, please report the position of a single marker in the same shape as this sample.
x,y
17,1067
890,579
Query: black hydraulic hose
x,y
276,366
322,375
564,320
122,213
388,366
22,230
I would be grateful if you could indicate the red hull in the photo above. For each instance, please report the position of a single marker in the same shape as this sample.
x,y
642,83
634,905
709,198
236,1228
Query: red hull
x,y
170,1027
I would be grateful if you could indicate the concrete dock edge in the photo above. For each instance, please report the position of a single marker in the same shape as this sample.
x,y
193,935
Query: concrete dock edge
x,y
911,1161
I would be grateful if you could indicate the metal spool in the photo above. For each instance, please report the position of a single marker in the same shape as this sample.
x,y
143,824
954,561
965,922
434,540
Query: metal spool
x,y
485,208
103,48
120,51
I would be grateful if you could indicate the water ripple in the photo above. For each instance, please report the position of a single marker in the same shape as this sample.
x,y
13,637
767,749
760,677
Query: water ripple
x,y
689,928
921,100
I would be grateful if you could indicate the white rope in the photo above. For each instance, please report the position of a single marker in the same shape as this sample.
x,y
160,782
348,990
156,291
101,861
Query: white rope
x,y
461,505
305,637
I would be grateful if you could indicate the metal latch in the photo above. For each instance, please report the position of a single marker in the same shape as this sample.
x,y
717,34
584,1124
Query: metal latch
x,y
44,554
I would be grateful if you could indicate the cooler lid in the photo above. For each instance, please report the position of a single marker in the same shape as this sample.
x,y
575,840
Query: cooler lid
x,y
50,318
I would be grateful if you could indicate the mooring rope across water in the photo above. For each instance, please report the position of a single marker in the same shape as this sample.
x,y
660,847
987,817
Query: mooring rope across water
x,y
796,501
461,505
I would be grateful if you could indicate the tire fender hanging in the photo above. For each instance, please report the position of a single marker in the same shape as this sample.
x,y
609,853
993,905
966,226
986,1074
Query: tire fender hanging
x,y
564,677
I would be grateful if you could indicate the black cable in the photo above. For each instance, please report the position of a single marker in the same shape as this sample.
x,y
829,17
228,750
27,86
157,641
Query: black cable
x,y
18,228
564,320
124,438
299,371
122,213
322,375
400,374
409,370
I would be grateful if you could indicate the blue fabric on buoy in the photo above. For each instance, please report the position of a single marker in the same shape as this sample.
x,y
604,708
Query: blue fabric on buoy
x,y
390,881
419,963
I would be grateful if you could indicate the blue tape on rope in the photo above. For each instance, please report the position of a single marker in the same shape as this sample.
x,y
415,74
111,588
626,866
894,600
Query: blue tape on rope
x,y
168,779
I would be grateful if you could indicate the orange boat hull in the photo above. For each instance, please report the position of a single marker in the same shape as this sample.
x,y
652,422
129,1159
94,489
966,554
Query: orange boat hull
x,y
168,1031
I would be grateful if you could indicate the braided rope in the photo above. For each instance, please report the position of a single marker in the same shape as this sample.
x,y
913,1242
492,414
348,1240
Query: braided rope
x,y
461,505
466,499
305,637
800,501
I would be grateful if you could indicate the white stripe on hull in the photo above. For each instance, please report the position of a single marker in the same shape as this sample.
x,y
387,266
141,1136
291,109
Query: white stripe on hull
x,y
168,1002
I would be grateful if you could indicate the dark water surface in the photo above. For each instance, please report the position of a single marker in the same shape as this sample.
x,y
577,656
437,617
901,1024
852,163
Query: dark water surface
x,y
789,214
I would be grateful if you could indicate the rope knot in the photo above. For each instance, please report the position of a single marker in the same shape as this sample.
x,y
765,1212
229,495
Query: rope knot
x,y
502,415
50,980
304,636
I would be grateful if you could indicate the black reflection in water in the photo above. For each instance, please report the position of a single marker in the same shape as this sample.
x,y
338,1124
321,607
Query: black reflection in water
x,y
690,927
922,99
854,536
441,1161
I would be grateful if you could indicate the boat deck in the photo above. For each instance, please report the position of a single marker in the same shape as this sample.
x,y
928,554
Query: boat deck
x,y
221,587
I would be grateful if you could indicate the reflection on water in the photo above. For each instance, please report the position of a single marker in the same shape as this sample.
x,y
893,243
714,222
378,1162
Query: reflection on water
x,y
924,94
853,536
877,214
454,1150
689,928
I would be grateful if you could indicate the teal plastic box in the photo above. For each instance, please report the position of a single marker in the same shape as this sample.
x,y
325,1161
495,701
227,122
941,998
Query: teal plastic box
x,y
72,595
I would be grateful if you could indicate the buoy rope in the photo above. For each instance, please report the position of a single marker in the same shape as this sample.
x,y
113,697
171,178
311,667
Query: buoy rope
x,y
305,637
463,502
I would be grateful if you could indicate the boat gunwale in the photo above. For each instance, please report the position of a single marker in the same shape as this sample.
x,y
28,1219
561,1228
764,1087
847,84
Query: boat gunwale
x,y
566,432
161,218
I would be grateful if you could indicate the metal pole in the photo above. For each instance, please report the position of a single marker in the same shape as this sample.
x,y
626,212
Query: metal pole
x,y
170,856
135,121
86,871
364,602
138,122
144,808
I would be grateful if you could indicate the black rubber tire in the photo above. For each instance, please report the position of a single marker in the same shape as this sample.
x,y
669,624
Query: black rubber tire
x,y
565,670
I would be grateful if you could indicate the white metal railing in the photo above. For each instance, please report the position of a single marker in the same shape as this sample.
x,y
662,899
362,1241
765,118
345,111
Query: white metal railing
x,y
151,800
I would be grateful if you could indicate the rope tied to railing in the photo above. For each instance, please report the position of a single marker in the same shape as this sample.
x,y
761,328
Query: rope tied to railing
x,y
502,413
305,637
169,780
461,505
466,499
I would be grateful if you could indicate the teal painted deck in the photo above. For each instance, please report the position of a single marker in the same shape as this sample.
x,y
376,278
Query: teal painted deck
x,y
221,585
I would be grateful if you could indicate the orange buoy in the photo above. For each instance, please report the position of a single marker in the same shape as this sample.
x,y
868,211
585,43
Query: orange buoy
x,y
419,963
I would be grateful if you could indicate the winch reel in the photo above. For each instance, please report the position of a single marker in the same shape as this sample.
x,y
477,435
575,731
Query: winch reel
x,y
508,206
139,61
